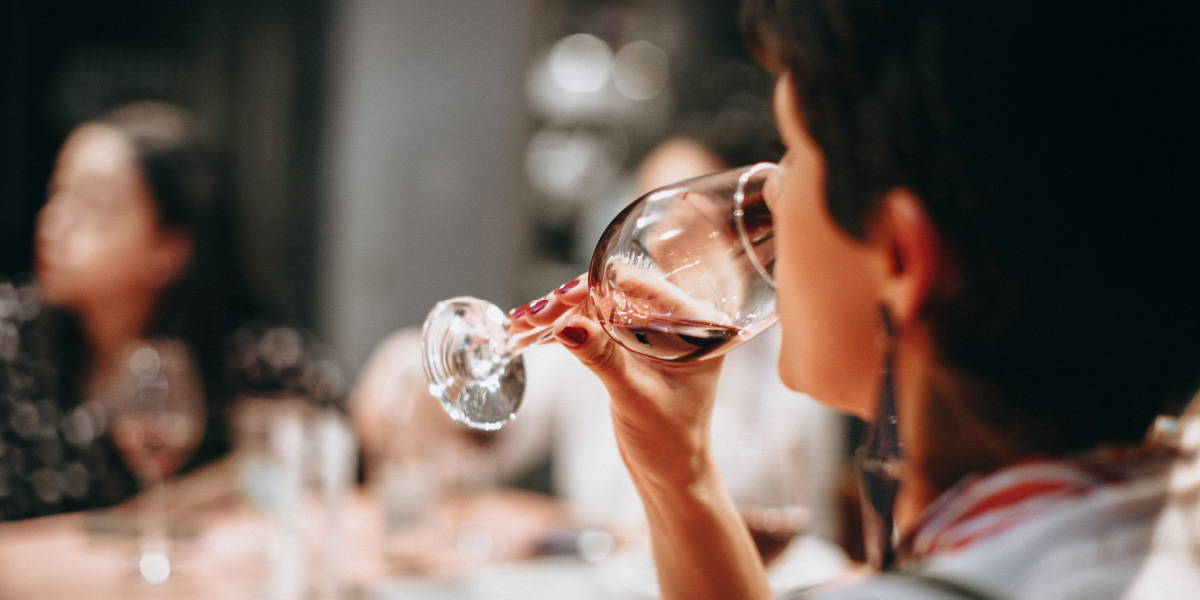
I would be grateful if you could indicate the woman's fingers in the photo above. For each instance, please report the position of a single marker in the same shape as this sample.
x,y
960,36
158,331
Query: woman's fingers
x,y
655,295
579,333
547,309
588,342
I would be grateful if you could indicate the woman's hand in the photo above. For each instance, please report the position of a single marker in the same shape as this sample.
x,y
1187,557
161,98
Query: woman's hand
x,y
661,410
661,414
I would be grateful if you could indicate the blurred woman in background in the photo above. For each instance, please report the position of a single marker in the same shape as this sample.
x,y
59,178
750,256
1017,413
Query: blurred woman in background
x,y
133,241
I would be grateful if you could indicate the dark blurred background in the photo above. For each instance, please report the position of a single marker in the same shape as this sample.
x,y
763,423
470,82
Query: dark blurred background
x,y
386,154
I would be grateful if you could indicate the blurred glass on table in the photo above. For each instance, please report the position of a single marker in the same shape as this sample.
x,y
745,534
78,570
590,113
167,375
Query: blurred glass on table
x,y
156,416
296,462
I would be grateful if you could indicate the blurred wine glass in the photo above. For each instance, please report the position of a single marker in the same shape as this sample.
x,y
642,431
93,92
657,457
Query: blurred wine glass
x,y
156,409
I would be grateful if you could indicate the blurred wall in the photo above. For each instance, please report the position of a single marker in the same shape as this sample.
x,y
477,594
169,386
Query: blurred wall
x,y
423,192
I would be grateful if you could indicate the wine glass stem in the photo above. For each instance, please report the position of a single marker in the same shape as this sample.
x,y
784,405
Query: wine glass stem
x,y
519,342
154,519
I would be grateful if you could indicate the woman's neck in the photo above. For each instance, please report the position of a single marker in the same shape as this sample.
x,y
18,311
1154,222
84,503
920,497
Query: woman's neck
x,y
109,327
943,437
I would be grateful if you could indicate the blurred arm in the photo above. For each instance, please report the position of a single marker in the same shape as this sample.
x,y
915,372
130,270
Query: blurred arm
x,y
391,395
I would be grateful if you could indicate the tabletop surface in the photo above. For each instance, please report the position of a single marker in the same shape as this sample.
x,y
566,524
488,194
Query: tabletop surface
x,y
235,551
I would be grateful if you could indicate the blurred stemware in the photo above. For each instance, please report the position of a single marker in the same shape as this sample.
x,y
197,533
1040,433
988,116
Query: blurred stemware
x,y
157,413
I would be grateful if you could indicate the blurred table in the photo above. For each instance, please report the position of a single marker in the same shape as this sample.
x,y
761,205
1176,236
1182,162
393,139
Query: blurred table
x,y
219,554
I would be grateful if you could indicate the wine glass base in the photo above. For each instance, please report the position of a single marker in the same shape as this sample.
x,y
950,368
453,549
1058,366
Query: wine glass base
x,y
467,366
154,567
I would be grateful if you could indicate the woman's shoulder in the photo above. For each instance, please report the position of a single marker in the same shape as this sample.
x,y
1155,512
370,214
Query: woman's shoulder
x,y
40,348
1102,540
53,454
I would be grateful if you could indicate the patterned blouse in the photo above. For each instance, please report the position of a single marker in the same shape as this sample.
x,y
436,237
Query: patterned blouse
x,y
55,451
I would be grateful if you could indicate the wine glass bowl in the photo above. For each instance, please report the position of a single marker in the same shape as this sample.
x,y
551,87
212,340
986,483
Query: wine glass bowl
x,y
154,445
158,411
681,274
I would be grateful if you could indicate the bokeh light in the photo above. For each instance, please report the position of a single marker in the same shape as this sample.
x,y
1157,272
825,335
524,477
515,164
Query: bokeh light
x,y
563,163
641,70
154,567
581,63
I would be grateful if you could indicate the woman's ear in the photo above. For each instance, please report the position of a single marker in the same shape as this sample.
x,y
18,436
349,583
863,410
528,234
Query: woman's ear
x,y
172,257
912,254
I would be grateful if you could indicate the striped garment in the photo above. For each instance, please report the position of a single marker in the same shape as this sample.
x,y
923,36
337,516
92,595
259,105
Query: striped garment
x,y
1115,523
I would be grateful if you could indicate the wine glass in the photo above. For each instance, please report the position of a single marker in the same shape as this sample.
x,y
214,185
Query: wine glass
x,y
681,274
157,417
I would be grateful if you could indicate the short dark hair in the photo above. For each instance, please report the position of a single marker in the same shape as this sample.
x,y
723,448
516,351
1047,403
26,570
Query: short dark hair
x,y
1046,144
177,162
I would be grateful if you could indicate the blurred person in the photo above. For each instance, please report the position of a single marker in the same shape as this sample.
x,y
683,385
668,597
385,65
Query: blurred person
x,y
776,448
676,159
133,241
982,252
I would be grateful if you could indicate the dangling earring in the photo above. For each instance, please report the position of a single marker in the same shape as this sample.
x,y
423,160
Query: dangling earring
x,y
878,460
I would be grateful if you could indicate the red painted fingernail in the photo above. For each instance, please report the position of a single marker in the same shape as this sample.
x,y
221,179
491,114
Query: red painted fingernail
x,y
538,306
518,311
573,336
567,286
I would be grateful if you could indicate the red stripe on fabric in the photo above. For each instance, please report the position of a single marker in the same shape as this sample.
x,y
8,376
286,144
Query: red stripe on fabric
x,y
1003,498
961,543
1012,495
997,527
935,530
